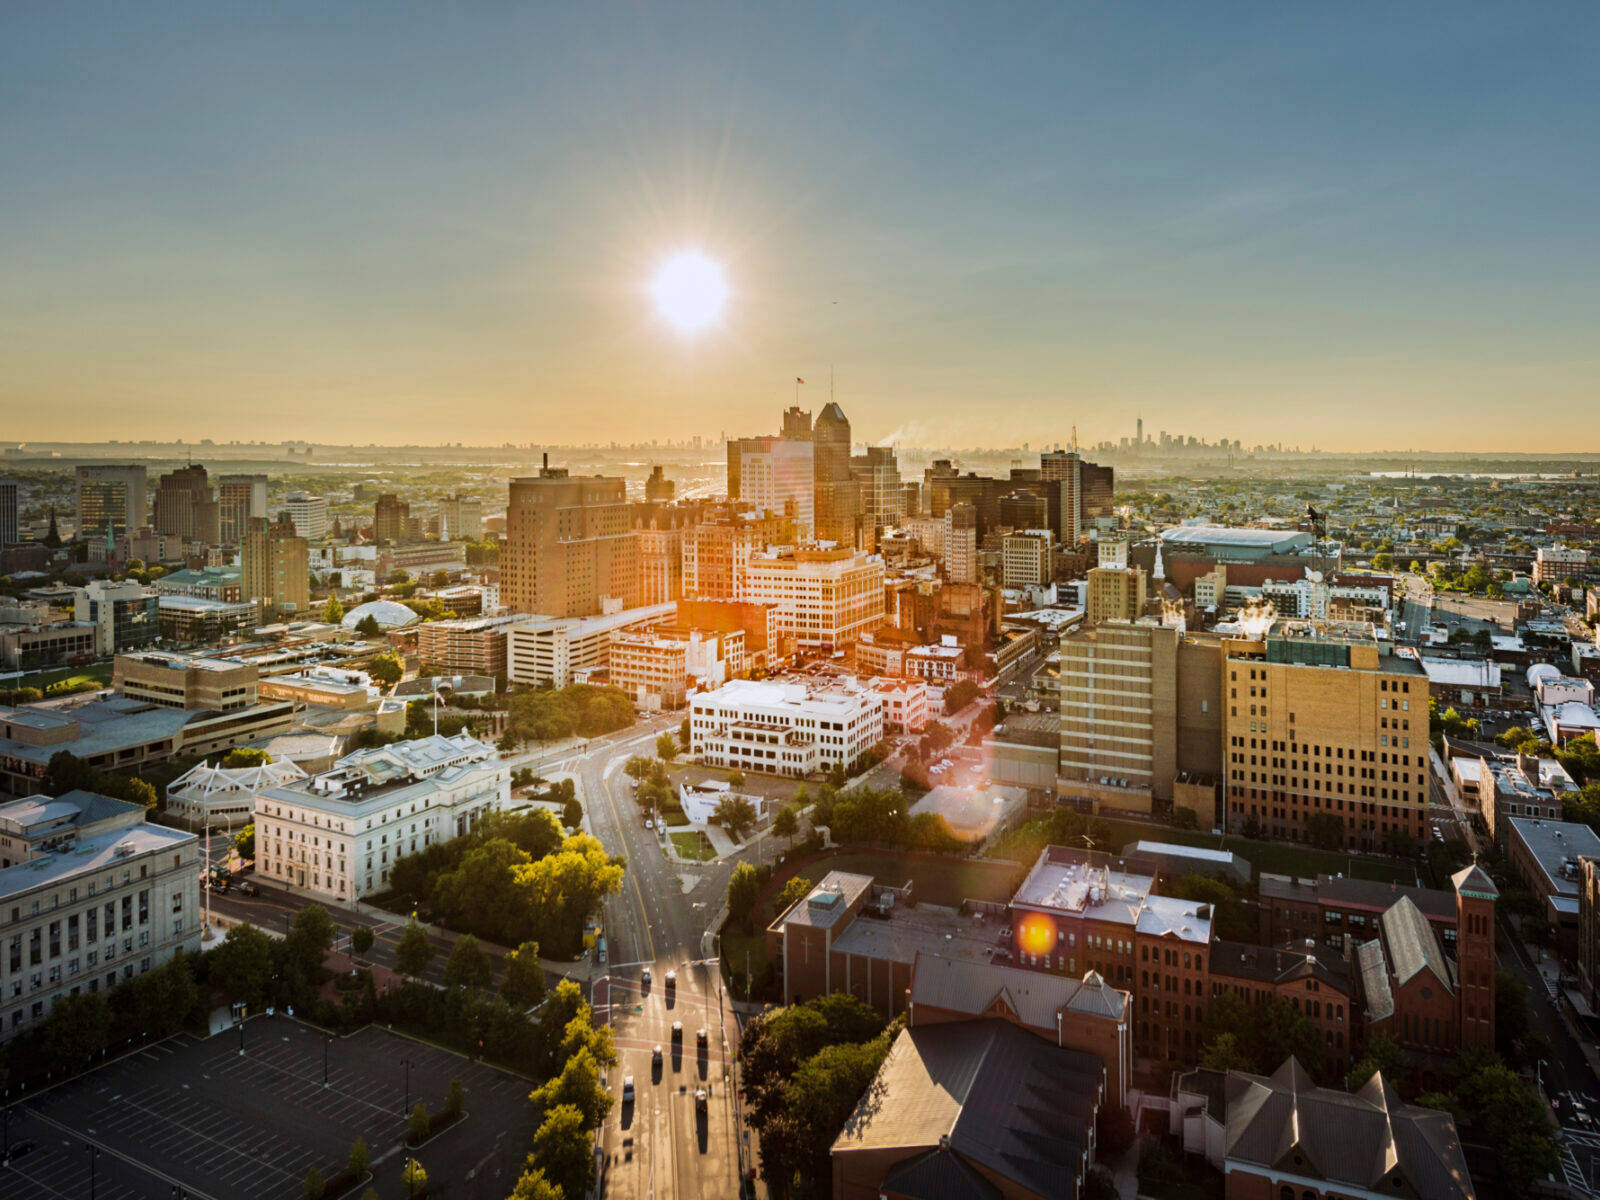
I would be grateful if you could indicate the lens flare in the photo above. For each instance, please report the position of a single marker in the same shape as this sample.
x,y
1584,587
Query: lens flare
x,y
1036,934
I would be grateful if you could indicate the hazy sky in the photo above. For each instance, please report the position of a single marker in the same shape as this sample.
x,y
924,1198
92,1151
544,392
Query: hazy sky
x,y
1350,225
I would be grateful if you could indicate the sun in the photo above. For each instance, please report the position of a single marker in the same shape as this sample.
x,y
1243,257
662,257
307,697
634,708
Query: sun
x,y
689,290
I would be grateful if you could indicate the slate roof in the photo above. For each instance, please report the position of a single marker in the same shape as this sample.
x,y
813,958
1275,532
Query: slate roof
x,y
938,1175
1009,1103
1361,1140
1375,980
1411,945
961,985
1277,964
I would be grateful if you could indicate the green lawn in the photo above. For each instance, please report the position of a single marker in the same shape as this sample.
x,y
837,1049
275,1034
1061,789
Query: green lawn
x,y
744,950
693,845
98,675
1279,858
673,818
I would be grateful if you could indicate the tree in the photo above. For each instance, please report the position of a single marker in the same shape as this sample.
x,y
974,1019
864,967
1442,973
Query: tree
x,y
413,1178
414,951
785,823
666,747
386,669
1099,1184
1115,1131
683,734
794,891
361,939
508,742
244,842
1512,1016
417,1123
579,1082
1224,1053
76,1030
735,814
743,887
245,756
1506,1113
563,1149
1185,818
636,768
368,626
306,944
454,1099
482,892
958,695
736,777
242,966
523,984
571,810
332,611
468,966
1383,562
359,1158
1325,830
314,1186
533,1185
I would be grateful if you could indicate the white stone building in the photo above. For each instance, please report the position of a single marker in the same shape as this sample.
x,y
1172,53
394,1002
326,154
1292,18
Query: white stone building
x,y
786,727
336,836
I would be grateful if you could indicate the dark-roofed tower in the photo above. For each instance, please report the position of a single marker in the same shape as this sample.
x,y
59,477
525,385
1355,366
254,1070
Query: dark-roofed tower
x,y
1475,897
838,499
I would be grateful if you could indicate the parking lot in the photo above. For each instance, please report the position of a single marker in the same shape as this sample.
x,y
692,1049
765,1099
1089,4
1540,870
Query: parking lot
x,y
201,1119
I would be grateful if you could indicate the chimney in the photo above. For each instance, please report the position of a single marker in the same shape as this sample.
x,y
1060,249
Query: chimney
x,y
547,460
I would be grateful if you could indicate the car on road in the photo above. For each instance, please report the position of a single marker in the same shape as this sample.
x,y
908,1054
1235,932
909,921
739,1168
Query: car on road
x,y
644,977
672,979
700,1037
655,1057
627,1089
677,1032
700,1099
26,1146
249,889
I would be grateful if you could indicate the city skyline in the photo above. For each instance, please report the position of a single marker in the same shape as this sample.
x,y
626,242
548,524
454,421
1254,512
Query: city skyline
x,y
1290,229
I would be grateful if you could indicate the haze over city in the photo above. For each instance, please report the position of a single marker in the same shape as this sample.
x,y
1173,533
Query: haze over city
x,y
227,221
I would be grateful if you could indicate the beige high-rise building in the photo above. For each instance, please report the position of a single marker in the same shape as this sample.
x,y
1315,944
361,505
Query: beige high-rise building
x,y
1118,699
777,475
389,517
1321,723
239,497
1115,594
275,567
961,544
825,598
186,507
569,551
461,517
1026,558
660,565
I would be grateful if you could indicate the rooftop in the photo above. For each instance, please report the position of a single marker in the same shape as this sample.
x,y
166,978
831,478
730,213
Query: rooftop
x,y
1556,846
1065,882
97,852
833,895
1462,672
926,929
969,986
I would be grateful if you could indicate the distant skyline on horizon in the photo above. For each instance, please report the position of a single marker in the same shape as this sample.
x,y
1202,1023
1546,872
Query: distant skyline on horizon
x,y
330,223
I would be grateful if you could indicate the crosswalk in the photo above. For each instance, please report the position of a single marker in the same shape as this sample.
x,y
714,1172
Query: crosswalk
x,y
1572,1172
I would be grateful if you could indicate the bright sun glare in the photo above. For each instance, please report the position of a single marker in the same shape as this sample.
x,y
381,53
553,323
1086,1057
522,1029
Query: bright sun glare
x,y
689,290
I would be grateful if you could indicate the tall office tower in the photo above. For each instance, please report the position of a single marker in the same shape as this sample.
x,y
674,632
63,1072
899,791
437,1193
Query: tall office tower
x,y
1321,724
1138,436
838,499
1096,485
1119,702
796,423
716,559
309,514
569,551
239,497
461,517
961,544
275,566
389,518
910,499
111,501
658,487
778,475
1115,594
1085,491
186,507
878,478
9,532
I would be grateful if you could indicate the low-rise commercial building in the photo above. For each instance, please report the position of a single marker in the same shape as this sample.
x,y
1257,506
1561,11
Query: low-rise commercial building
x,y
905,704
191,620
125,616
187,681
1545,855
557,650
474,647
336,836
662,666
1464,682
786,727
90,896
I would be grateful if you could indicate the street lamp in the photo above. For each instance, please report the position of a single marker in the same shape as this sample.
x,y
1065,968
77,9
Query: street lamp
x,y
406,1063
326,1042
93,1154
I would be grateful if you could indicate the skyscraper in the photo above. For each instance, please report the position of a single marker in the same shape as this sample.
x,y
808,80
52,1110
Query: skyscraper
x,y
568,547
778,474
186,507
838,499
389,518
275,566
1084,491
878,475
9,534
309,514
239,497
111,500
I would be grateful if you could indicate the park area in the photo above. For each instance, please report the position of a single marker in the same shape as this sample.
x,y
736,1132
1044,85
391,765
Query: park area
x,y
200,1118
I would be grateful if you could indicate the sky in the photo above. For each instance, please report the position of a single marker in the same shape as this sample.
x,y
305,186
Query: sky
x,y
1351,226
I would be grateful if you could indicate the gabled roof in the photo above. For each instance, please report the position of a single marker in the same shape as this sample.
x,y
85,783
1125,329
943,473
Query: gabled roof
x,y
1474,881
938,1175
1375,980
1356,1140
965,986
1411,945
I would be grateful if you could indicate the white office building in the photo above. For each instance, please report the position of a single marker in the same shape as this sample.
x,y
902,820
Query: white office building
x,y
825,598
309,514
786,727
337,835
779,474
559,650
90,896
